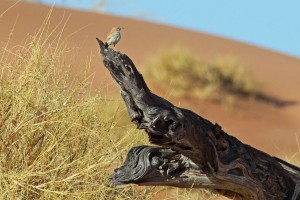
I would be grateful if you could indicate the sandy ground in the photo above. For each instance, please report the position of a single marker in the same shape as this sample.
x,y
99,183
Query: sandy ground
x,y
266,127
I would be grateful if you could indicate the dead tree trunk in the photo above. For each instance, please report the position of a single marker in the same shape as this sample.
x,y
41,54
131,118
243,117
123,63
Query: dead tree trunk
x,y
191,151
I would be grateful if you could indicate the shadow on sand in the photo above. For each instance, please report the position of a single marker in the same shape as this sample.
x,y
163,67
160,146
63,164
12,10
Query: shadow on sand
x,y
274,101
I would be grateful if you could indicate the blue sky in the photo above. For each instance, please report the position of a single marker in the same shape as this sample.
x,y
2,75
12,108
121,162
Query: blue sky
x,y
271,24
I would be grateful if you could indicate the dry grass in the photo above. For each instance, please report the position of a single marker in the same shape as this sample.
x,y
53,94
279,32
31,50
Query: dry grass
x,y
186,74
57,140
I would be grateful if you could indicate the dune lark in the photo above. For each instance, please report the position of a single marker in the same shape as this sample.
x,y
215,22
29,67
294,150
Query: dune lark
x,y
113,37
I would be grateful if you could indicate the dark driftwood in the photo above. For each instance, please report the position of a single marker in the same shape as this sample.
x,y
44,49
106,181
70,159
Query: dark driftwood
x,y
192,151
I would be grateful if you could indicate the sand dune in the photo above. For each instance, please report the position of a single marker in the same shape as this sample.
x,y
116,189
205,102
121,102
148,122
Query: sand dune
x,y
258,124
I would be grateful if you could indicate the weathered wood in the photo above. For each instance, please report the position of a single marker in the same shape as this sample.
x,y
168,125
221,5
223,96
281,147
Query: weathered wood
x,y
191,151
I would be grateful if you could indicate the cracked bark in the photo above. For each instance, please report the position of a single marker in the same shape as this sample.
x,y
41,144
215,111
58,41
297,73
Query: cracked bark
x,y
192,151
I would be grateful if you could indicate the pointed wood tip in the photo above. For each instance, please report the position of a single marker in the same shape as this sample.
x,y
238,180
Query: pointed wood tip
x,y
101,44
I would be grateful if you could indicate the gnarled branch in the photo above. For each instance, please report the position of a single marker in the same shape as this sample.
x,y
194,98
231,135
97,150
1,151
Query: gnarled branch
x,y
191,151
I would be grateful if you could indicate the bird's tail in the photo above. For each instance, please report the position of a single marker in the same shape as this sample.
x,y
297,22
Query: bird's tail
x,y
106,45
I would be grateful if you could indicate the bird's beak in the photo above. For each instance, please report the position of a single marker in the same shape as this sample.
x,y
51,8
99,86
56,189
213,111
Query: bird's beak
x,y
122,28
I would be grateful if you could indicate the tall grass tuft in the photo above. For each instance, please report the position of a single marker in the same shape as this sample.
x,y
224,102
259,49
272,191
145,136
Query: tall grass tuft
x,y
57,141
187,74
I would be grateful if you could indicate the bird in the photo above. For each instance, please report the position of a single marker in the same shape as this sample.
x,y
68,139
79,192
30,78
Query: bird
x,y
113,37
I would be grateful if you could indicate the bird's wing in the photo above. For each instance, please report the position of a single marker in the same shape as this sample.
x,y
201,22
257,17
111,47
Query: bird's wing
x,y
110,33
